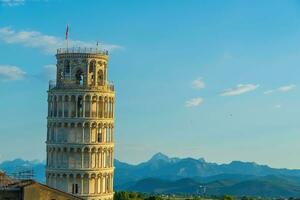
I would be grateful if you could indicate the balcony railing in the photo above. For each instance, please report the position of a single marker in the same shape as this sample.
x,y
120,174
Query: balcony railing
x,y
82,50
108,86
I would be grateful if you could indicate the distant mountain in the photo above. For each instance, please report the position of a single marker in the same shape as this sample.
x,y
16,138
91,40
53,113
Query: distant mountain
x,y
162,167
163,174
19,165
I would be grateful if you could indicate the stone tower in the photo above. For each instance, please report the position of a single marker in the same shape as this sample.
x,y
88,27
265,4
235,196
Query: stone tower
x,y
80,132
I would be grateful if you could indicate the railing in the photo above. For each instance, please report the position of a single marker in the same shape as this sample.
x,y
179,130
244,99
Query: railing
x,y
82,50
108,86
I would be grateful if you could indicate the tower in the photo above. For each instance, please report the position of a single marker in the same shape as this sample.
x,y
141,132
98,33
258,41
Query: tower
x,y
80,132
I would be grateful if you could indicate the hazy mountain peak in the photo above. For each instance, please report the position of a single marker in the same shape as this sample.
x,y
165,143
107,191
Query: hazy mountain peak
x,y
159,156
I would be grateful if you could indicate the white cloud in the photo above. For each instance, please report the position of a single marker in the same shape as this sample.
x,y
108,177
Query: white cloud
x,y
11,73
194,102
198,83
268,91
285,88
12,2
239,89
278,106
47,43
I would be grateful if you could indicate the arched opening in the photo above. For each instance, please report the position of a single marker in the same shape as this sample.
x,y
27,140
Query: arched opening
x,y
65,158
79,77
73,106
86,158
100,77
87,105
94,106
67,68
92,68
87,133
80,107
99,135
93,133
66,106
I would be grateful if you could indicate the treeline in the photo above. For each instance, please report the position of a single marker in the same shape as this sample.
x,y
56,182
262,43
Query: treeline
x,y
125,195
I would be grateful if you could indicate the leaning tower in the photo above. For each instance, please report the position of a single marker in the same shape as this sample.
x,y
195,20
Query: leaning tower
x,y
80,135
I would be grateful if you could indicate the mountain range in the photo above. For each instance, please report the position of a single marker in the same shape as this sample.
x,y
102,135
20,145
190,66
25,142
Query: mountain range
x,y
162,174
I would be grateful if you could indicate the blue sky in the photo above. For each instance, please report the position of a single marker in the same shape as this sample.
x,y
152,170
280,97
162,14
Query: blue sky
x,y
212,79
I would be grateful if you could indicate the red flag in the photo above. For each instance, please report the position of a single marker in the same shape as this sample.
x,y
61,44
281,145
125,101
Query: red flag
x,y
67,32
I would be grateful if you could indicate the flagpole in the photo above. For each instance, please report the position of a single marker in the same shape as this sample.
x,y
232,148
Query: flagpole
x,y
67,37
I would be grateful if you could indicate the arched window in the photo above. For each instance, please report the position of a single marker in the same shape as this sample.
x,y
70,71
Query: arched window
x,y
92,66
100,77
67,67
99,135
79,77
79,107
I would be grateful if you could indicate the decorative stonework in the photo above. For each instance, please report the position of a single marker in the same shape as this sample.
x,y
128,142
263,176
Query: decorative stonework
x,y
80,130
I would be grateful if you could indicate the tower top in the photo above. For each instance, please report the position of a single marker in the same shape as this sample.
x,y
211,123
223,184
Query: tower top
x,y
82,68
82,50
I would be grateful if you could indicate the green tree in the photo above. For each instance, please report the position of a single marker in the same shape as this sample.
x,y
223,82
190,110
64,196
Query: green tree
x,y
227,197
121,195
154,198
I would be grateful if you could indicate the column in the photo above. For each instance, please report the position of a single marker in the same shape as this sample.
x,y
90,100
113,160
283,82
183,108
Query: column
x,y
83,125
112,182
83,107
104,159
63,106
100,158
81,187
96,158
101,184
55,132
76,107
97,107
111,158
91,106
104,106
112,108
96,185
69,106
90,159
57,100
82,157
104,134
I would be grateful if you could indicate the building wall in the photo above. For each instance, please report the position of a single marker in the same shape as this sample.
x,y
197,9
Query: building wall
x,y
38,192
